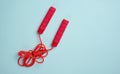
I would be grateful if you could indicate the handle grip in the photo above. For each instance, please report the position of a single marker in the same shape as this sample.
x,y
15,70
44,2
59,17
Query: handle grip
x,y
46,20
60,32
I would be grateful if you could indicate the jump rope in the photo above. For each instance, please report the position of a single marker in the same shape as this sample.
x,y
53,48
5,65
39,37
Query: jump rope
x,y
28,58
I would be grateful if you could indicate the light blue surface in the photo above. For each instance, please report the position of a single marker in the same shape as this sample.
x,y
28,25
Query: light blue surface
x,y
90,45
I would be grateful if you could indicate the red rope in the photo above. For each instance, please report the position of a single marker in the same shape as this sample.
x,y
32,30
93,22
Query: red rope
x,y
28,58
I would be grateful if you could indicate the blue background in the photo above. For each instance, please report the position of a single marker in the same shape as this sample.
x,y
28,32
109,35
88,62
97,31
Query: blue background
x,y
90,44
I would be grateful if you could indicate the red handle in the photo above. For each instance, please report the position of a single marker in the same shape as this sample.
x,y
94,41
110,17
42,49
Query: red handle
x,y
46,20
60,32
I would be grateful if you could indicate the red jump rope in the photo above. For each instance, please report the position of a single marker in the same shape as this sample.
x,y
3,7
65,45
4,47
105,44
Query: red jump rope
x,y
28,58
